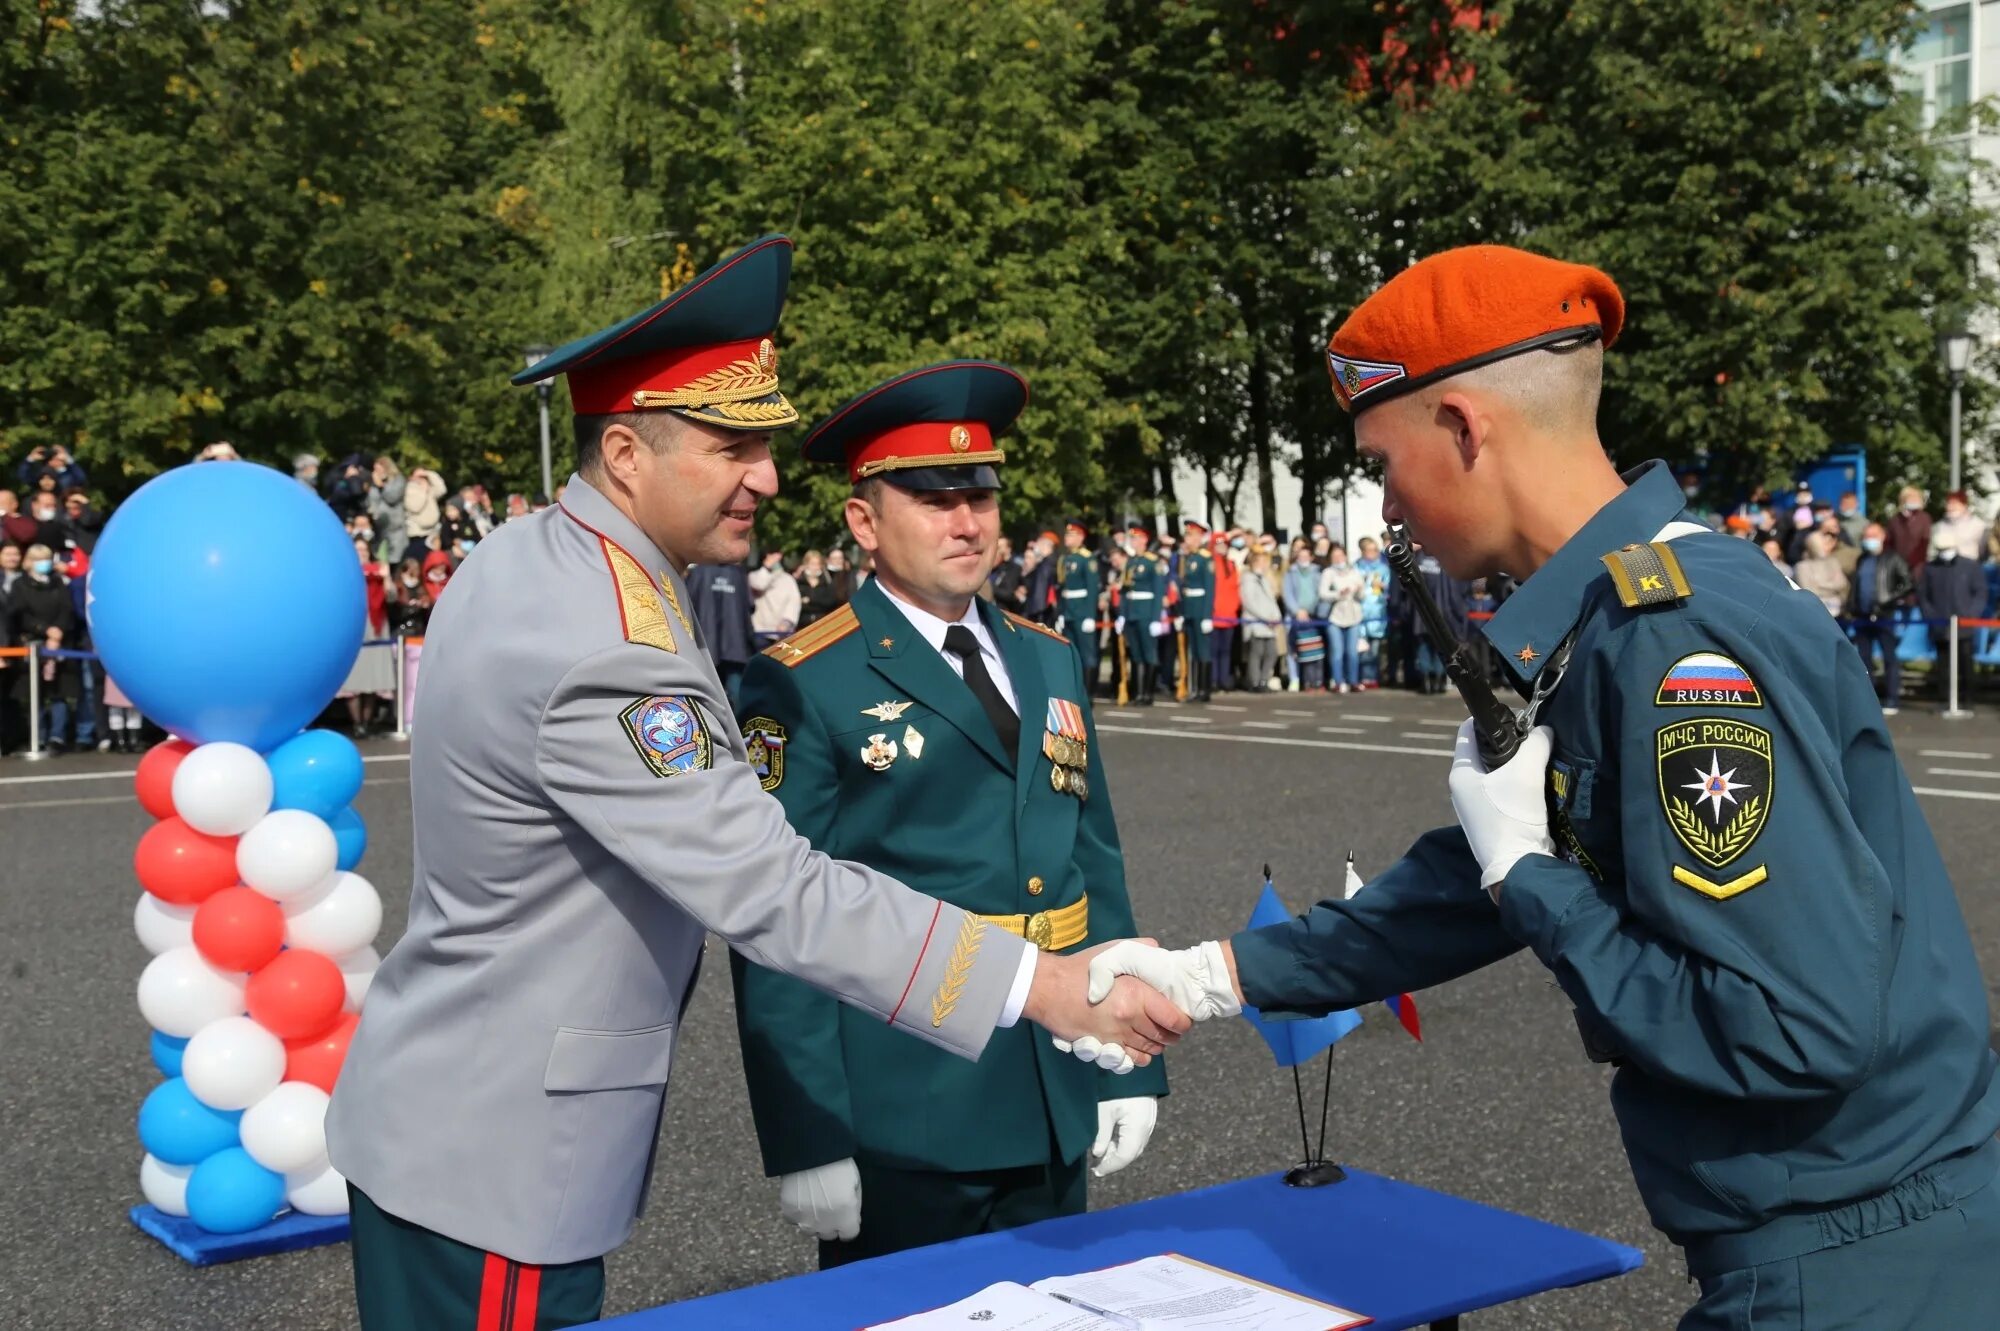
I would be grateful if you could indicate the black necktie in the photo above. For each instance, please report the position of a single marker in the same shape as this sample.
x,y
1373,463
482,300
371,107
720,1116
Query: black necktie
x,y
958,640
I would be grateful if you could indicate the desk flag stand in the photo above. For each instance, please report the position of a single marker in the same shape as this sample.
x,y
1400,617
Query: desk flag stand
x,y
1295,1040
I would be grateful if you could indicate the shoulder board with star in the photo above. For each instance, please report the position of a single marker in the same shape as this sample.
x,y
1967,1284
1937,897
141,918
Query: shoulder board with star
x,y
641,616
815,637
1027,623
1647,575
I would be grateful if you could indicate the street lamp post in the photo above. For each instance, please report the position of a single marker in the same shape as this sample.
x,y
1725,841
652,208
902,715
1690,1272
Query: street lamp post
x,y
1957,348
534,356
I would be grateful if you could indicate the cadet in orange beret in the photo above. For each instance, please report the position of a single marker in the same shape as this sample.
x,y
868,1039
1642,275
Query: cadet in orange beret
x,y
1706,837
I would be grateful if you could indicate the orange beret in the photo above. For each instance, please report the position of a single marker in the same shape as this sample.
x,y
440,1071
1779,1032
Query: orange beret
x,y
1462,309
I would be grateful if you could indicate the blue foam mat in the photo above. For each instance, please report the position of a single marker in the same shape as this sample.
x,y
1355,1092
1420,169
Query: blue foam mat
x,y
197,1247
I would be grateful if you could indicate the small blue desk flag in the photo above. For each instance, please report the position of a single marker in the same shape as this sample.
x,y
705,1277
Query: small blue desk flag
x,y
1293,1040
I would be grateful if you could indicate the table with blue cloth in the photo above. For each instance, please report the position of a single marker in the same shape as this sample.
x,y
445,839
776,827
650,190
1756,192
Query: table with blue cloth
x,y
1403,1255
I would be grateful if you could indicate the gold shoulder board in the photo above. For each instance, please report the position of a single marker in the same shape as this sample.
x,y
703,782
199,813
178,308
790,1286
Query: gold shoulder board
x,y
815,637
1647,575
1027,623
640,613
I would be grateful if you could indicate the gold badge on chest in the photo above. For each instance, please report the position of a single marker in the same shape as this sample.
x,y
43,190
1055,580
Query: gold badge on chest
x,y
913,743
1066,742
889,712
879,752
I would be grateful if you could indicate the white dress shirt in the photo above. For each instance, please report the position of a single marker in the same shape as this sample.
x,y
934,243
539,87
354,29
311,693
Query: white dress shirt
x,y
933,630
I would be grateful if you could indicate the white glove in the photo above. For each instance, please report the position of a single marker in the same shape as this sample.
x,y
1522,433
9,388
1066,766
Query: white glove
x,y
1118,625
1505,813
1123,1129
1090,626
1177,624
1112,1058
824,1201
1208,626
1158,628
1195,979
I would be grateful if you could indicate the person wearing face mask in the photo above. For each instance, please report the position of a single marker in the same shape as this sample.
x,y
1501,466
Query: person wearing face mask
x,y
1375,580
1698,510
1852,520
1961,527
51,527
408,605
1882,584
43,614
1951,585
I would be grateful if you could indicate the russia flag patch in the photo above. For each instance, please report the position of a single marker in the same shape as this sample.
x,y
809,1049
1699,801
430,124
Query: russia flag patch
x,y
1357,378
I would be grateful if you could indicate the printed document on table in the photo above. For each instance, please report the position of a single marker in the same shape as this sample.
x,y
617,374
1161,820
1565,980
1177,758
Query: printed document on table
x,y
1165,1293
1172,1291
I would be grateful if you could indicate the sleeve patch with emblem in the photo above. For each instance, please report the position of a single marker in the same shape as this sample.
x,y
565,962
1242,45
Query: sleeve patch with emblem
x,y
764,742
1716,778
669,734
1707,679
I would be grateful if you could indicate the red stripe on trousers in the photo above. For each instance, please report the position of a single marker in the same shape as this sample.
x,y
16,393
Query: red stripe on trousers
x,y
492,1292
527,1296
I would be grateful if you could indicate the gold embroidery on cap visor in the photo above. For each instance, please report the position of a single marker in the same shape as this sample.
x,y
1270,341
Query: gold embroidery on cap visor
x,y
880,465
742,394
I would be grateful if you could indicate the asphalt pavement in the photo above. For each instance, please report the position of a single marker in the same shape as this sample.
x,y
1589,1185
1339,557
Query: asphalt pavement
x,y
1497,1104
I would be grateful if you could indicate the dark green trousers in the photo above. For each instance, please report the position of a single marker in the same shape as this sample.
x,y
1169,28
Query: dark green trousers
x,y
1937,1273
908,1208
408,1278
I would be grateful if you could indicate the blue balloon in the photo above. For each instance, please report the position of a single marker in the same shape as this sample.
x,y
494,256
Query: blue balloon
x,y
227,602
229,1193
319,771
350,834
180,1129
167,1052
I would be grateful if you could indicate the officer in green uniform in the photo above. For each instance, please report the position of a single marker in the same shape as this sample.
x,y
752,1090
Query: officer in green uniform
x,y
1078,597
1197,588
1141,607
1707,837
920,727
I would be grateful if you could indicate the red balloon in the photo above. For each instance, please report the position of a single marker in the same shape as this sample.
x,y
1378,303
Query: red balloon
x,y
155,778
239,929
317,1058
180,865
300,992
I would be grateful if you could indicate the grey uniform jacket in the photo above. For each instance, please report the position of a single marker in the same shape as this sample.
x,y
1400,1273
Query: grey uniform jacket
x,y
583,814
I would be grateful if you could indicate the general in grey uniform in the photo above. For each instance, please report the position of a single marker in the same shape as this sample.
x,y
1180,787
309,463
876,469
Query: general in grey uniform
x,y
584,814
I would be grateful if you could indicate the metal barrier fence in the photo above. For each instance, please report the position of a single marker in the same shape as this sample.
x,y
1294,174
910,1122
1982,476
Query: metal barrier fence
x,y
34,654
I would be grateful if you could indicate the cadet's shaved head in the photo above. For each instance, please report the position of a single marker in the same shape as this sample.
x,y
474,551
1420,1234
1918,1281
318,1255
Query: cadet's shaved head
x,y
1554,391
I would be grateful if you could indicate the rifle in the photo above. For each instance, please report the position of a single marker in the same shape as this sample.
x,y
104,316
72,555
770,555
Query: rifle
x,y
1494,723
1124,683
1180,676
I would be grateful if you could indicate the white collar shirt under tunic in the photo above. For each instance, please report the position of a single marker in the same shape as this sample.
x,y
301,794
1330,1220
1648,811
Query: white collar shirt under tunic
x,y
933,630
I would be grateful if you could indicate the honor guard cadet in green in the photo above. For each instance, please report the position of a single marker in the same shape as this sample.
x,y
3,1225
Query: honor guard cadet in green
x,y
922,731
1142,606
1197,588
1079,598
1706,838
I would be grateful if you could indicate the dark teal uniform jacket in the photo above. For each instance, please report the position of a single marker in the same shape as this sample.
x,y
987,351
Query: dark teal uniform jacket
x,y
950,815
1748,910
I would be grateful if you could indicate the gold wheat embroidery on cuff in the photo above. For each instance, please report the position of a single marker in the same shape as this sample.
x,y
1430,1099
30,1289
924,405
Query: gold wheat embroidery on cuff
x,y
958,969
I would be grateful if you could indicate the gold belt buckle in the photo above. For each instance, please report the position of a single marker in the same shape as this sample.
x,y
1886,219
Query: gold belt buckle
x,y
1040,930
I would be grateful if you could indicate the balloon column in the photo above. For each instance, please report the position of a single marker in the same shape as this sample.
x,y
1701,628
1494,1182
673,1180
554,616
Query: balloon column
x,y
226,601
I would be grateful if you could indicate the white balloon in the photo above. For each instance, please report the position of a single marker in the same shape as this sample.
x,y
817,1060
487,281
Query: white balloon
x,y
358,969
181,994
288,855
320,1193
222,789
162,926
286,1130
340,919
233,1063
165,1185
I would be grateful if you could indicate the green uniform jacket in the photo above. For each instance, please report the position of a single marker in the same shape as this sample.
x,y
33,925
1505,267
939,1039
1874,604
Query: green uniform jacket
x,y
1145,595
1076,598
1747,908
1197,584
948,815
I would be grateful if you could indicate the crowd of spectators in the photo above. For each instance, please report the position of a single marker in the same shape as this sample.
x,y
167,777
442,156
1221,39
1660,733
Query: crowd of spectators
x,y
409,531
1311,615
